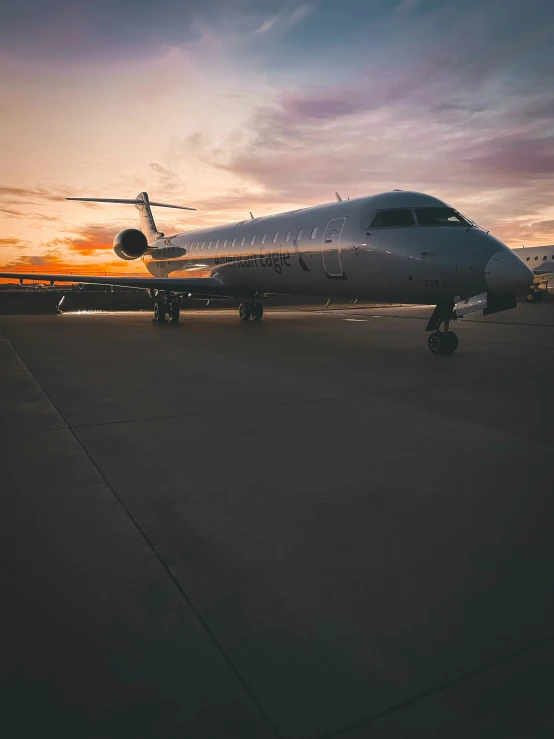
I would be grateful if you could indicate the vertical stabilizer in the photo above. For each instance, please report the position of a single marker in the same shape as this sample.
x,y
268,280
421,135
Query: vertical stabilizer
x,y
147,223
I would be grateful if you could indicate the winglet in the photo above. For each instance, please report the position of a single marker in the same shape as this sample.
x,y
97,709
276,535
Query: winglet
x,y
338,197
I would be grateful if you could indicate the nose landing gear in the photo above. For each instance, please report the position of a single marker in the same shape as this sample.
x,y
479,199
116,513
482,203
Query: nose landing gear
x,y
445,341
254,310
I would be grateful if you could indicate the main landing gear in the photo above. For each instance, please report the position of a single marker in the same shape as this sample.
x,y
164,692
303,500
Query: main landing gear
x,y
445,341
253,310
167,310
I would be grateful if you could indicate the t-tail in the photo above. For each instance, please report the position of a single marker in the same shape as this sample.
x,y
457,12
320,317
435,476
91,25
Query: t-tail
x,y
142,202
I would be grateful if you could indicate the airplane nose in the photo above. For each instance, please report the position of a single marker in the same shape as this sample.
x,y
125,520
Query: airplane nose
x,y
506,273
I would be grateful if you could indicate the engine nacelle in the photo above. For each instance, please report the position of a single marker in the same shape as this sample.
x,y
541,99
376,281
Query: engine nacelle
x,y
130,244
547,286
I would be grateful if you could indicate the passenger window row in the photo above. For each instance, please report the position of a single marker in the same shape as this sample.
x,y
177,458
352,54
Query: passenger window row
x,y
536,258
196,245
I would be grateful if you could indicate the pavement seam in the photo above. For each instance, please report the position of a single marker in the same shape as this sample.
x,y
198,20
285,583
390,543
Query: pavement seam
x,y
221,410
266,718
465,677
33,431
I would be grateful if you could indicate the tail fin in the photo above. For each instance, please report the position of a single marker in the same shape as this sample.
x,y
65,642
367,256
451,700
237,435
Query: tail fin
x,y
143,204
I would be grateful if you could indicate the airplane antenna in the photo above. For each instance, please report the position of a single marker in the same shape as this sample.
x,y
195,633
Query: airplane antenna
x,y
251,216
338,197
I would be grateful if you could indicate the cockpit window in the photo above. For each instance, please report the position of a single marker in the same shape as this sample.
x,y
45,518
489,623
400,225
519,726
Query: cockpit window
x,y
440,217
391,218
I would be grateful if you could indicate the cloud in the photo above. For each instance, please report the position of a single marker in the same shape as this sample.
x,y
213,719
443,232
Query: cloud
x,y
513,157
52,262
286,19
405,94
90,240
29,216
12,242
34,193
405,6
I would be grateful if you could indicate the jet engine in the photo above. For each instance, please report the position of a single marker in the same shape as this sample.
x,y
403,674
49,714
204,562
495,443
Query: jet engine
x,y
547,286
130,244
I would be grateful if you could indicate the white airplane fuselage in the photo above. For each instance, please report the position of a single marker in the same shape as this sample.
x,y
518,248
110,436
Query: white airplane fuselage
x,y
334,251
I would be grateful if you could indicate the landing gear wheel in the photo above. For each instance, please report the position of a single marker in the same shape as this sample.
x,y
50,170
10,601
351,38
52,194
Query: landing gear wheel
x,y
257,311
442,343
245,312
434,342
174,312
159,312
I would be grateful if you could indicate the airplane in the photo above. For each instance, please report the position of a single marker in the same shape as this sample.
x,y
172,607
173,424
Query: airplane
x,y
540,260
397,247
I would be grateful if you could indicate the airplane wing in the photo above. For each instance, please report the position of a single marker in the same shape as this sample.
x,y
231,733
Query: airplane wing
x,y
199,285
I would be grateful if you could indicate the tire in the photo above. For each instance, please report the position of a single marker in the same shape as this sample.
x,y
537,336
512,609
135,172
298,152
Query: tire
x,y
450,343
245,312
159,312
434,342
441,343
258,311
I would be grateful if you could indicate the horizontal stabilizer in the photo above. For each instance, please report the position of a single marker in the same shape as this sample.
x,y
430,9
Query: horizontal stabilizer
x,y
131,201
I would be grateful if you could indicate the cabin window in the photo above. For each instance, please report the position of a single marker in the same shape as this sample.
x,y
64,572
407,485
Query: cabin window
x,y
243,240
252,240
217,244
225,244
395,218
314,232
203,244
536,259
275,235
528,258
287,236
210,245
544,257
264,237
299,234
441,216
234,241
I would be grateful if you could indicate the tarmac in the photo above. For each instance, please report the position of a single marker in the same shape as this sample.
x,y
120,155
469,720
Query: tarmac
x,y
307,527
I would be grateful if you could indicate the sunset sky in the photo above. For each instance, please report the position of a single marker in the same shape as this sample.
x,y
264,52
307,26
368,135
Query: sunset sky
x,y
235,105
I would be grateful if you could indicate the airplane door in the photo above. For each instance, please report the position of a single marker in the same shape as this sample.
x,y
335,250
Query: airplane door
x,y
330,248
